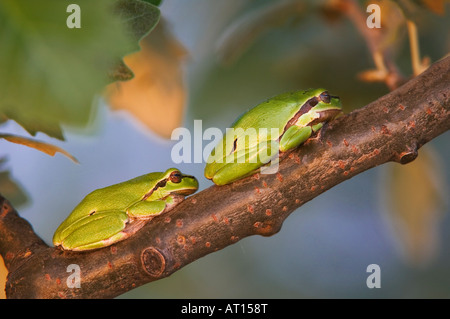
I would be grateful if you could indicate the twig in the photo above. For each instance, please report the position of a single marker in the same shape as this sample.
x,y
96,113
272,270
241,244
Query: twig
x,y
417,64
386,68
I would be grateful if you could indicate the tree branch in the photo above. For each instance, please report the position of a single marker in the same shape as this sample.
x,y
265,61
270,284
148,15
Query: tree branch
x,y
391,128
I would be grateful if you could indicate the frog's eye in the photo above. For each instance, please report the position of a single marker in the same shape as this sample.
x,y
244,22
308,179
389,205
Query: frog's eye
x,y
175,177
325,97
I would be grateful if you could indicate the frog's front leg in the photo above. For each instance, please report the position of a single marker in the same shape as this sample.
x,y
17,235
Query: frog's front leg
x,y
294,136
245,162
146,209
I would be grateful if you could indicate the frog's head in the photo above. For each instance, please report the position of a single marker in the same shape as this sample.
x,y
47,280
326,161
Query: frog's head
x,y
319,108
324,107
327,108
173,182
179,183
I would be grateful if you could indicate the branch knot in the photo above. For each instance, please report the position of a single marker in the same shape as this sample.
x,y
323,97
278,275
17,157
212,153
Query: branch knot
x,y
153,262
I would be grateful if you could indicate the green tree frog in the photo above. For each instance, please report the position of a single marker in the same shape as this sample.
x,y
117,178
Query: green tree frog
x,y
116,212
276,125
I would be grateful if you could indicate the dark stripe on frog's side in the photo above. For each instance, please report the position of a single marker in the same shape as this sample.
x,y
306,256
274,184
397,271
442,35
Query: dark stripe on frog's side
x,y
303,110
306,107
161,183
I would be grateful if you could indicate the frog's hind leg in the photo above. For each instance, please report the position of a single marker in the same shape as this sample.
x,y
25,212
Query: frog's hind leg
x,y
98,230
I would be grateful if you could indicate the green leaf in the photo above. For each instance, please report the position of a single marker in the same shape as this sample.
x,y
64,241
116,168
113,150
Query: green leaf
x,y
141,18
50,73
11,189
32,127
154,2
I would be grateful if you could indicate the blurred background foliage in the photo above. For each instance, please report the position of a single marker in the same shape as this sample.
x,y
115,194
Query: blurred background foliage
x,y
208,60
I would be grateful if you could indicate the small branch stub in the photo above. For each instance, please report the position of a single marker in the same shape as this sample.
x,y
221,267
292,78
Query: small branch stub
x,y
153,262
407,156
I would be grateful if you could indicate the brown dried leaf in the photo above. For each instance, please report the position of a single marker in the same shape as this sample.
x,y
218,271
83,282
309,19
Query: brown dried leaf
x,y
373,75
436,6
415,9
3,274
41,146
156,95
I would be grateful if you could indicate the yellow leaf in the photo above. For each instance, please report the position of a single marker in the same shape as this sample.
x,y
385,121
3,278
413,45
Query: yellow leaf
x,y
415,196
41,146
3,274
156,95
